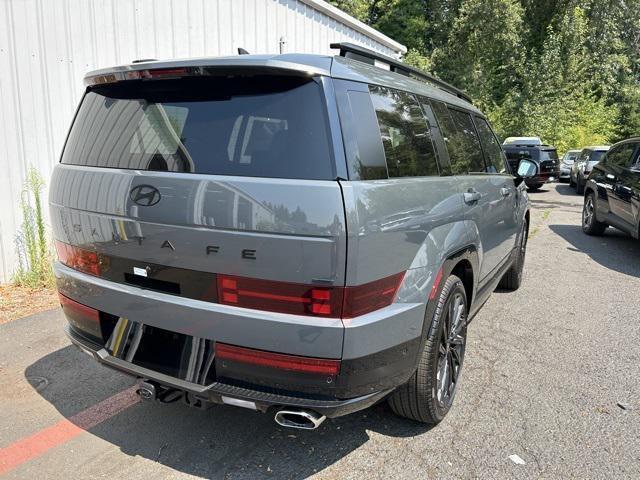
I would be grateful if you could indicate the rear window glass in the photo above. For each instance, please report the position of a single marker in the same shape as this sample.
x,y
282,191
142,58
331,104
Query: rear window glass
x,y
262,126
548,155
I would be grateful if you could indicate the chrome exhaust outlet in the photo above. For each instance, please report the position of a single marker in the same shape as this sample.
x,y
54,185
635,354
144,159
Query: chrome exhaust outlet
x,y
302,419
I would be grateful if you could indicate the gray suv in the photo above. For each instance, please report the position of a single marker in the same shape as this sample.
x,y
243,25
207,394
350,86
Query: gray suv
x,y
300,234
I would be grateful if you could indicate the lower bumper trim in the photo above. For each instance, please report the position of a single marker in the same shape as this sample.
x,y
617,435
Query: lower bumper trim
x,y
217,390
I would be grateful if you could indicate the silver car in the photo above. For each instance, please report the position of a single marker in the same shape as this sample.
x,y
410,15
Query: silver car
x,y
567,162
297,234
583,165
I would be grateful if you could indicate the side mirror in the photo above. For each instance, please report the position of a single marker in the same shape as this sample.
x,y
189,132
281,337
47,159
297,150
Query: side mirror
x,y
526,169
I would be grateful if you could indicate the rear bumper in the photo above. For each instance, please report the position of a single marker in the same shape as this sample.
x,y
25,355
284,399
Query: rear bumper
x,y
544,177
377,352
214,393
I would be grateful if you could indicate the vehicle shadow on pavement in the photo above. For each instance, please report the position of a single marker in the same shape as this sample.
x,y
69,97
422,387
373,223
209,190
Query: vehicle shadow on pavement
x,y
223,441
565,189
614,250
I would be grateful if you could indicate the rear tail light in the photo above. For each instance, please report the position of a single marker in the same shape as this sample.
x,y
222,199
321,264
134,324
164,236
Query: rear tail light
x,y
371,296
78,258
280,361
280,297
299,299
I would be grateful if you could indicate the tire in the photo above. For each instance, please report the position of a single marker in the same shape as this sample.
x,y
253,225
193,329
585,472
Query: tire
x,y
513,278
579,185
534,187
424,398
590,225
571,182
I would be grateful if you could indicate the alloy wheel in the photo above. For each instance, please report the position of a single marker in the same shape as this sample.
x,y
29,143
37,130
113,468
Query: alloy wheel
x,y
451,350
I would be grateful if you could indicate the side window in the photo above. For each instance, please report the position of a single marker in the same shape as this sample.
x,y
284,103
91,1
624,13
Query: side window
x,y
493,154
621,156
461,139
636,159
364,148
405,135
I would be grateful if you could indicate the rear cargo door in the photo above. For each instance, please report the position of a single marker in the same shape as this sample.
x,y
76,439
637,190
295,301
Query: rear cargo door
x,y
178,180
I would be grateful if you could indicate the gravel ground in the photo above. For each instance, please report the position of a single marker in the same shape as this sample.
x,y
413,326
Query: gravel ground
x,y
545,372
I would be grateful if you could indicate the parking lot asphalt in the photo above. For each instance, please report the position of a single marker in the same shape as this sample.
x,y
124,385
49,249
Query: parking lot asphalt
x,y
551,375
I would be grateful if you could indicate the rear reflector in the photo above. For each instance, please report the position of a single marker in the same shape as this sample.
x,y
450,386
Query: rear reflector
x,y
71,306
280,361
82,317
299,299
78,258
436,285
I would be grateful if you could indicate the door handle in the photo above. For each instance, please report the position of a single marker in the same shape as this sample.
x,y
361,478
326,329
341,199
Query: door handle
x,y
471,196
505,192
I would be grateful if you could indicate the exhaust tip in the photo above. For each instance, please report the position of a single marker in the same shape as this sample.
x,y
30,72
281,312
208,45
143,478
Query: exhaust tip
x,y
301,419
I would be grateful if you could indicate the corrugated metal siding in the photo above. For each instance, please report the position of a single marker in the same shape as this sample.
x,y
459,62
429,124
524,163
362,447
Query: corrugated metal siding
x,y
46,47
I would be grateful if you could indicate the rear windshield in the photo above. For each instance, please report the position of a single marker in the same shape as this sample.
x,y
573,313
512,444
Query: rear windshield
x,y
261,126
530,153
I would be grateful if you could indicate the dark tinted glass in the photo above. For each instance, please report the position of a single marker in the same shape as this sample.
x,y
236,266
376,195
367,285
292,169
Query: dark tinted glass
x,y
548,155
519,154
262,126
461,139
621,156
405,136
362,139
596,155
493,155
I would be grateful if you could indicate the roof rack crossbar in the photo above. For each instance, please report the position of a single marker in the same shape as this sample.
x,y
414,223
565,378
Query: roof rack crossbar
x,y
350,50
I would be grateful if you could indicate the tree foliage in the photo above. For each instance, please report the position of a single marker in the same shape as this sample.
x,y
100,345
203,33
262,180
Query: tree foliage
x,y
565,70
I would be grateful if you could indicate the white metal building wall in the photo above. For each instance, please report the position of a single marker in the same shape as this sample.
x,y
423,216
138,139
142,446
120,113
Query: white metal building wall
x,y
46,47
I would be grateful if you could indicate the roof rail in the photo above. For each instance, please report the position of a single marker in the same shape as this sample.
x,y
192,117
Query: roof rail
x,y
356,52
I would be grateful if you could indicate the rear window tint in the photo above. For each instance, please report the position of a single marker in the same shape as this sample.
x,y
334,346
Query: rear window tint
x,y
262,126
405,135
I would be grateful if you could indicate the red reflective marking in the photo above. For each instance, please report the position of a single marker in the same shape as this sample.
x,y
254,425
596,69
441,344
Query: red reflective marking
x,y
273,296
277,360
88,312
40,442
436,285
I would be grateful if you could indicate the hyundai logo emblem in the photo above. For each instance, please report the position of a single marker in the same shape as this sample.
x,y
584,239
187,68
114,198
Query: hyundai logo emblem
x,y
145,195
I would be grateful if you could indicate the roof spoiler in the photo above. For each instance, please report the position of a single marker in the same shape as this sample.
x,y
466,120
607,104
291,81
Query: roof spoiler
x,y
356,52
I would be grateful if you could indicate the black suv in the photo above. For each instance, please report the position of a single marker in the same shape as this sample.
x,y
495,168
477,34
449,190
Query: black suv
x,y
544,156
612,192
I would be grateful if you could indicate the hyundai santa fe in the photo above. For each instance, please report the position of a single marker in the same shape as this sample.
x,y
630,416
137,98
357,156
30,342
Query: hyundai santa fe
x,y
302,235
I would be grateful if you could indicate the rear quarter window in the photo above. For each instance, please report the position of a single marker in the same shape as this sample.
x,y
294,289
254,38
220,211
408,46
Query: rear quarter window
x,y
262,126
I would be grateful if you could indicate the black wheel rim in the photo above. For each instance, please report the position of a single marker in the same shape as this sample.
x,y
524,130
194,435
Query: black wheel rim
x,y
451,350
587,212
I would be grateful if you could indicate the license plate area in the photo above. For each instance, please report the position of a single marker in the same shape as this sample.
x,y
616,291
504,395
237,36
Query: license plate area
x,y
181,356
